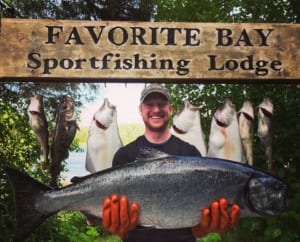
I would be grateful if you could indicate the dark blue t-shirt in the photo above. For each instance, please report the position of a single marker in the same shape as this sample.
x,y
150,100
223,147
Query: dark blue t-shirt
x,y
127,154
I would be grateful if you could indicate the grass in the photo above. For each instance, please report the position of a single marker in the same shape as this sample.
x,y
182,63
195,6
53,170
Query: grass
x,y
109,238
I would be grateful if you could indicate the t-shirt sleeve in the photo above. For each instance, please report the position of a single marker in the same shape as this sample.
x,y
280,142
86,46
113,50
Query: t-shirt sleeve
x,y
195,151
125,154
179,147
120,157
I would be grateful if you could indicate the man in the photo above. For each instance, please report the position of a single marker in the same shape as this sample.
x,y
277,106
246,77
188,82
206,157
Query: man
x,y
120,217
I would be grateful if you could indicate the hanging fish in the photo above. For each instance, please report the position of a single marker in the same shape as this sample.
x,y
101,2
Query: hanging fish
x,y
224,138
39,125
246,120
187,126
265,114
63,136
104,139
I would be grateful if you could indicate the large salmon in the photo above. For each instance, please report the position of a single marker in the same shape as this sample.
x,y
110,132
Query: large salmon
x,y
170,190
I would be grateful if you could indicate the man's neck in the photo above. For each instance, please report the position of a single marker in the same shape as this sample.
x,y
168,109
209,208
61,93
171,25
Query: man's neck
x,y
157,137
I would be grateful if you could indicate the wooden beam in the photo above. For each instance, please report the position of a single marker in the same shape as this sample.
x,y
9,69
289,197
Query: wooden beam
x,y
174,52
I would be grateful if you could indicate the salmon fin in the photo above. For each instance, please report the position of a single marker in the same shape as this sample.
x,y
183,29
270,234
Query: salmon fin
x,y
92,219
26,190
149,154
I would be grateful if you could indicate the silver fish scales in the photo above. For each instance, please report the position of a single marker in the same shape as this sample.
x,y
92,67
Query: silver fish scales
x,y
170,190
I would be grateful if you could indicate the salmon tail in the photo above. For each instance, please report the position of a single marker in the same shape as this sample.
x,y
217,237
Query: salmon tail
x,y
26,190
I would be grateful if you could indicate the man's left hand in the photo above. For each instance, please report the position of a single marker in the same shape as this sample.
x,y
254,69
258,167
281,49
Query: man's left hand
x,y
217,219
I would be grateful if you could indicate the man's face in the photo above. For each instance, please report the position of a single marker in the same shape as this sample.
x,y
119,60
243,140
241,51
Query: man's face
x,y
156,112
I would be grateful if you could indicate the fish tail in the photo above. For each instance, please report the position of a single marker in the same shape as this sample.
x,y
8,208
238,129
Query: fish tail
x,y
26,191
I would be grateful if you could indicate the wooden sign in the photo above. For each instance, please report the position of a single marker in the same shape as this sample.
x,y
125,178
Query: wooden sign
x,y
89,50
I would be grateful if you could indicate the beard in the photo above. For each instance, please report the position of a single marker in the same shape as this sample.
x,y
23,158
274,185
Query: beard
x,y
154,128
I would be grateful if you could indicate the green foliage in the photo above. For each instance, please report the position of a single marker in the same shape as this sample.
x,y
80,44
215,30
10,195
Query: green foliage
x,y
72,227
110,238
228,11
287,11
84,10
19,149
213,237
67,226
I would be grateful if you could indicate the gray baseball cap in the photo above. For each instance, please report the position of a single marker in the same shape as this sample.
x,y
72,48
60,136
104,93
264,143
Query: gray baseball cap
x,y
154,88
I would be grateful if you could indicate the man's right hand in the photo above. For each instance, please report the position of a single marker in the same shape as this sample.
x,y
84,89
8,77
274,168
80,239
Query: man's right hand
x,y
118,217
